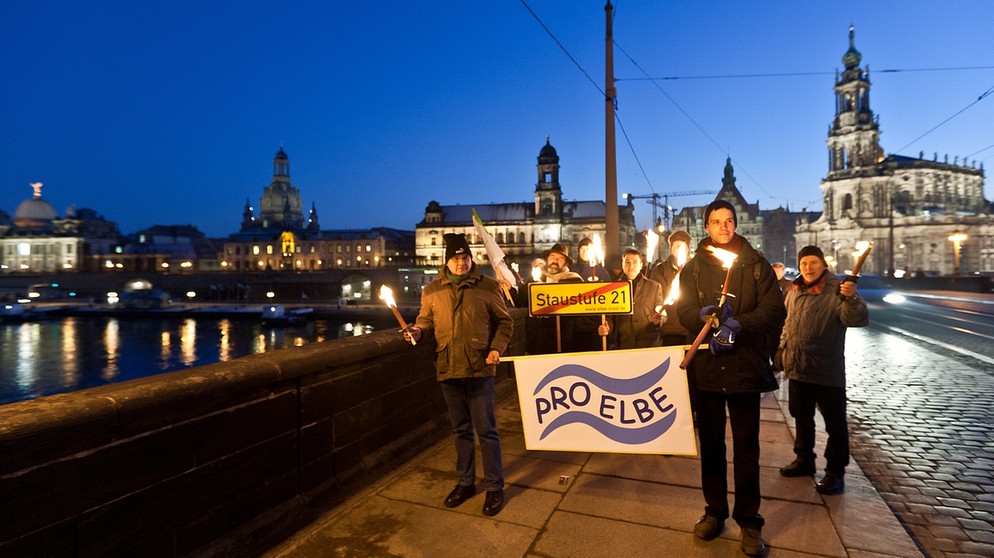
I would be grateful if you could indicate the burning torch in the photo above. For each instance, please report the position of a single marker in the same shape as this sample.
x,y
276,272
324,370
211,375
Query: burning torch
x,y
862,251
727,259
596,255
651,241
386,295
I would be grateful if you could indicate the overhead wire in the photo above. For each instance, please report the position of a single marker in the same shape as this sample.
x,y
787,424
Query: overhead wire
x,y
982,96
725,151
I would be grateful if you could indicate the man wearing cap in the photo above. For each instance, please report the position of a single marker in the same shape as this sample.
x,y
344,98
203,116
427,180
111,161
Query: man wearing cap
x,y
464,312
583,267
734,373
812,355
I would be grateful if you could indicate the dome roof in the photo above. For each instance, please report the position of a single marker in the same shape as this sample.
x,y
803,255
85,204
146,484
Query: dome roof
x,y
34,212
548,153
852,57
281,154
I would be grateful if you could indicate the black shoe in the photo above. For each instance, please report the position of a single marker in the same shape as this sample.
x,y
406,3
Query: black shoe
x,y
494,502
798,468
831,484
708,527
459,495
752,542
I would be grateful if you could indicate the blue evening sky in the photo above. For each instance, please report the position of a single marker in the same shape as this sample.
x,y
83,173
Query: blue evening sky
x,y
170,112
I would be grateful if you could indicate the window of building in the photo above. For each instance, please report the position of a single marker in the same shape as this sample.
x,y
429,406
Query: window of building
x,y
369,248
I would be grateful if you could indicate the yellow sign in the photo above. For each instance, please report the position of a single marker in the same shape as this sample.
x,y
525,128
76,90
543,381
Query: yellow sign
x,y
600,297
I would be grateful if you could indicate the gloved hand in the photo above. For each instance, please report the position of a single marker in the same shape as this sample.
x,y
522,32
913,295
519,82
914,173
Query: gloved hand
x,y
778,361
724,339
721,314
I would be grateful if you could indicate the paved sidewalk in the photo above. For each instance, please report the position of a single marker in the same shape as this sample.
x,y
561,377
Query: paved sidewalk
x,y
562,504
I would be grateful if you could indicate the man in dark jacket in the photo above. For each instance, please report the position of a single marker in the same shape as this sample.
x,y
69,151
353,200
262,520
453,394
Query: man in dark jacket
x,y
812,354
734,373
465,313
664,273
639,329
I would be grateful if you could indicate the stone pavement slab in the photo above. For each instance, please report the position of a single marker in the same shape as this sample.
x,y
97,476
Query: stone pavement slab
x,y
574,504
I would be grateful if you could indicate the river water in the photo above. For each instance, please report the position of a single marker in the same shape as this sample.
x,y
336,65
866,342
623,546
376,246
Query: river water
x,y
67,354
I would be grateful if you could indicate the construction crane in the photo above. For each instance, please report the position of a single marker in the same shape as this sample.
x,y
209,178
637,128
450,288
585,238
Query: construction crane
x,y
653,200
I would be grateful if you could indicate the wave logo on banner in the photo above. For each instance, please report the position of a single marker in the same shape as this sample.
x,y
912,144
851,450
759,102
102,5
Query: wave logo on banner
x,y
605,403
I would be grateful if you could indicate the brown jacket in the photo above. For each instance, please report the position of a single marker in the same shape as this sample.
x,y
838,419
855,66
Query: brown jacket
x,y
467,321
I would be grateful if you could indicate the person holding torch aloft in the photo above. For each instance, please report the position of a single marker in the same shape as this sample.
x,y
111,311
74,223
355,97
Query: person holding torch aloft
x,y
465,313
734,372
820,308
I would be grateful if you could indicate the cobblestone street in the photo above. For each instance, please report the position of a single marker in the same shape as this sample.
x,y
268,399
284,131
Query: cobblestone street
x,y
921,430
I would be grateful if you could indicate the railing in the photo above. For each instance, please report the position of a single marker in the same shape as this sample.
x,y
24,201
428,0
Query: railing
x,y
224,459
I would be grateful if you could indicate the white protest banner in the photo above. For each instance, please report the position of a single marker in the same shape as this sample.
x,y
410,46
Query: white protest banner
x,y
632,401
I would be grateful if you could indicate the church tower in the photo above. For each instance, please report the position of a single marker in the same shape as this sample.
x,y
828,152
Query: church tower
x,y
548,194
281,207
854,136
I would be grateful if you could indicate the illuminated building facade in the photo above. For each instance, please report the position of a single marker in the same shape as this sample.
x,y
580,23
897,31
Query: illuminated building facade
x,y
523,230
910,207
37,240
281,238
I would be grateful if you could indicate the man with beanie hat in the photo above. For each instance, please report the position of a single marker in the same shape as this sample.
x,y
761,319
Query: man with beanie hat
x,y
812,356
464,312
734,373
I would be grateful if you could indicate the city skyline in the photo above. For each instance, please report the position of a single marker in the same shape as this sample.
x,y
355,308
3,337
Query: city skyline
x,y
179,110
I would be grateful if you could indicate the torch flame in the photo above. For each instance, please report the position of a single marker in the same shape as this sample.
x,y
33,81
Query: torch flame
x,y
386,295
651,241
682,254
514,266
596,254
861,246
727,258
674,291
537,273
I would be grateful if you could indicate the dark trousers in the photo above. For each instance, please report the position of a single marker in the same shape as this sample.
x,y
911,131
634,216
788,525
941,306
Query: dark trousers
x,y
804,397
471,409
743,414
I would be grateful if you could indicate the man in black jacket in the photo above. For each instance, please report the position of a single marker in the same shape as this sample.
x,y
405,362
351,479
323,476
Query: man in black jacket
x,y
734,373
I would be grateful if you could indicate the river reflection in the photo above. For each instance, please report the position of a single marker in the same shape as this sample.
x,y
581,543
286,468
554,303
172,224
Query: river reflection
x,y
57,356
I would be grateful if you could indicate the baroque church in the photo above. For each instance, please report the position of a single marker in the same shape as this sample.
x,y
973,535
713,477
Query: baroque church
x,y
281,238
525,229
924,216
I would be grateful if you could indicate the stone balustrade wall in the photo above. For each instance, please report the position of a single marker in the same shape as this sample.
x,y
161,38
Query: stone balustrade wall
x,y
217,460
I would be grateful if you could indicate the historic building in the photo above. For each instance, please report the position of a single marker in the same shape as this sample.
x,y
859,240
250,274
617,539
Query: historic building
x,y
281,238
524,229
923,215
37,240
768,231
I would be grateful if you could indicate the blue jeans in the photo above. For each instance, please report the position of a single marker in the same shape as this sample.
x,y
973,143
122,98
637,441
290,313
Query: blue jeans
x,y
471,408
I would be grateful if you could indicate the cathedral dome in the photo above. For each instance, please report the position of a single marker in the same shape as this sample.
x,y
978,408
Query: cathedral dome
x,y
281,155
34,212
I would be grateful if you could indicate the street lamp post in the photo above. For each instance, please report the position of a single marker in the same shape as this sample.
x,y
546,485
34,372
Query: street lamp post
x,y
956,238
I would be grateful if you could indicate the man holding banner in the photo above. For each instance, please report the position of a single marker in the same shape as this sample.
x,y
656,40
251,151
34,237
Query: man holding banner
x,y
465,312
736,370
640,329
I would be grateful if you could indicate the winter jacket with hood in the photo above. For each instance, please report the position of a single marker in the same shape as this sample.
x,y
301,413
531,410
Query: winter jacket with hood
x,y
467,320
757,305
